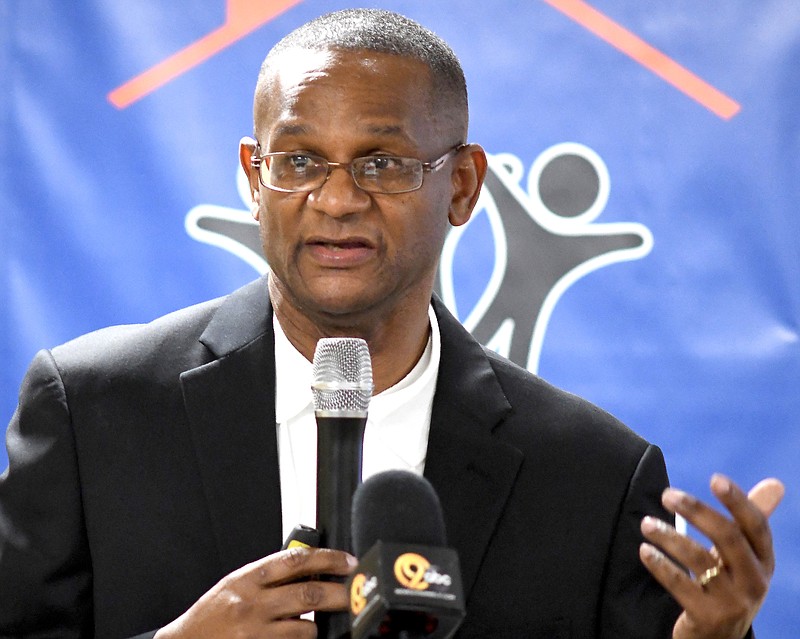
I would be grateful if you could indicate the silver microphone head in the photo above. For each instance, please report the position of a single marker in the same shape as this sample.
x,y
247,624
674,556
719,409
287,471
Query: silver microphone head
x,y
342,379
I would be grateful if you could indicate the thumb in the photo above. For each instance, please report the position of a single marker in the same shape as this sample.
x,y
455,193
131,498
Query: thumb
x,y
766,495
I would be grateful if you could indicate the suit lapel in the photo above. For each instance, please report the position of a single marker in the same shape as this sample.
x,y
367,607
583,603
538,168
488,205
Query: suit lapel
x,y
231,408
472,472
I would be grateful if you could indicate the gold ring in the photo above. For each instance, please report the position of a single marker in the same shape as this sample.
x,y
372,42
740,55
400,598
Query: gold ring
x,y
709,574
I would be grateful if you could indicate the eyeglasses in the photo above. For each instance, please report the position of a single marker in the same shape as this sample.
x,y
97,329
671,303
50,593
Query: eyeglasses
x,y
291,172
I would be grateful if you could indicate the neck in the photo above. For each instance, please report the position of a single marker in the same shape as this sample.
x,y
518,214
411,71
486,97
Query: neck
x,y
396,338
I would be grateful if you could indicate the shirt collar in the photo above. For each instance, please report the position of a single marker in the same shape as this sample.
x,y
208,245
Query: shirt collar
x,y
294,373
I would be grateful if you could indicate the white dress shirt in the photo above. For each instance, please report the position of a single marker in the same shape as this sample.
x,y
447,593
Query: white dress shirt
x,y
396,436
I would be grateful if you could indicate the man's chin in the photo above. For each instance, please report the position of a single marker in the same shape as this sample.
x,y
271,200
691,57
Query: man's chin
x,y
341,306
340,309
341,295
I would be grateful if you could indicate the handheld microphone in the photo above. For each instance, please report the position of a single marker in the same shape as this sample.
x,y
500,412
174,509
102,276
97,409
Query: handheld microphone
x,y
342,388
408,583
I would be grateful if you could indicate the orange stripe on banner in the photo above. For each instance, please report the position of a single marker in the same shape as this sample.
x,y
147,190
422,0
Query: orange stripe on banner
x,y
648,56
241,17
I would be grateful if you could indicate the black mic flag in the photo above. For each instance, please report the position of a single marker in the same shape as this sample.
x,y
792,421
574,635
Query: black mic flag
x,y
408,583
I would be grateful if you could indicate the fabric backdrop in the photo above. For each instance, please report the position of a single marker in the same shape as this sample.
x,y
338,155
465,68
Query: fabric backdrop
x,y
636,242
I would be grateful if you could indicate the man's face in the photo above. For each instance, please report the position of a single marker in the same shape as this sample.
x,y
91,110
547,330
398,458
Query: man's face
x,y
338,250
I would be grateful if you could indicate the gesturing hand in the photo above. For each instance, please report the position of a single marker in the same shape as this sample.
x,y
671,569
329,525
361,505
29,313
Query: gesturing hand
x,y
727,583
264,598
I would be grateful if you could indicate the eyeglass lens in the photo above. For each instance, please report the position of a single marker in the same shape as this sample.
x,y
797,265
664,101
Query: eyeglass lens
x,y
296,172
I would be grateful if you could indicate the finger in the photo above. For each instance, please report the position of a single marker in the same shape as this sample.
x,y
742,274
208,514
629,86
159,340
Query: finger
x,y
730,541
751,520
294,628
681,548
295,563
766,495
702,516
674,579
298,598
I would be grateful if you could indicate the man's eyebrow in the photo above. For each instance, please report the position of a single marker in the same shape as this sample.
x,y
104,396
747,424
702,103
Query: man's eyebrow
x,y
391,133
386,129
290,129
375,129
299,130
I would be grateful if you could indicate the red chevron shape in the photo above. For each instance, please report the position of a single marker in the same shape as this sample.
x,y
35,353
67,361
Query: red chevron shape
x,y
648,56
241,18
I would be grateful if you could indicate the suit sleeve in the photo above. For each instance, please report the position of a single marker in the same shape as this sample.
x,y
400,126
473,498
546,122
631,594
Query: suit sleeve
x,y
633,603
45,567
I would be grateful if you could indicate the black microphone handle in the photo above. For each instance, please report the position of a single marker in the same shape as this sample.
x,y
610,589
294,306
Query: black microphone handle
x,y
339,457
339,454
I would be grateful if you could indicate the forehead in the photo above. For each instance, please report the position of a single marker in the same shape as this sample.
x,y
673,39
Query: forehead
x,y
320,90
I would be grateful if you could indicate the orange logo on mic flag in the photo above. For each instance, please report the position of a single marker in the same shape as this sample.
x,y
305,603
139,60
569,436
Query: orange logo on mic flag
x,y
410,569
357,597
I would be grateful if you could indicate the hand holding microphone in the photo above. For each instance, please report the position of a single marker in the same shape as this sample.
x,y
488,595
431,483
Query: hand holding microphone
x,y
266,597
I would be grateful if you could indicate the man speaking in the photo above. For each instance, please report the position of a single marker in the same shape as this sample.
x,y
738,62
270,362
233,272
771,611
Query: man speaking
x,y
154,470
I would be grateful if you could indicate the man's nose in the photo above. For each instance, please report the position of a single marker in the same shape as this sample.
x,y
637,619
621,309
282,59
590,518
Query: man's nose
x,y
339,195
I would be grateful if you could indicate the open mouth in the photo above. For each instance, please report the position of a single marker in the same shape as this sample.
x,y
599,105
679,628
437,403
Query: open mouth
x,y
341,252
343,244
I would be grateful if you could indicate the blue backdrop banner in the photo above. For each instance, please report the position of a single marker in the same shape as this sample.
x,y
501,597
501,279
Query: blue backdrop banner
x,y
636,241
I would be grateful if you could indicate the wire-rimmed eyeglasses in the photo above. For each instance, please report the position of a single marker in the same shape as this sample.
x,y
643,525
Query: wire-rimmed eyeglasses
x,y
293,172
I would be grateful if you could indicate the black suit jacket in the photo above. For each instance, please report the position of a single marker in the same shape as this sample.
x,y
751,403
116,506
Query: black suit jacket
x,y
144,467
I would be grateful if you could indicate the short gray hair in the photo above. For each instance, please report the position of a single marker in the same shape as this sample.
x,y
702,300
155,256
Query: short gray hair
x,y
380,31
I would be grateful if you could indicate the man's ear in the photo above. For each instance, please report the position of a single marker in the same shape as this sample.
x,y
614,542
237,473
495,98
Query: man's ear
x,y
468,174
247,148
